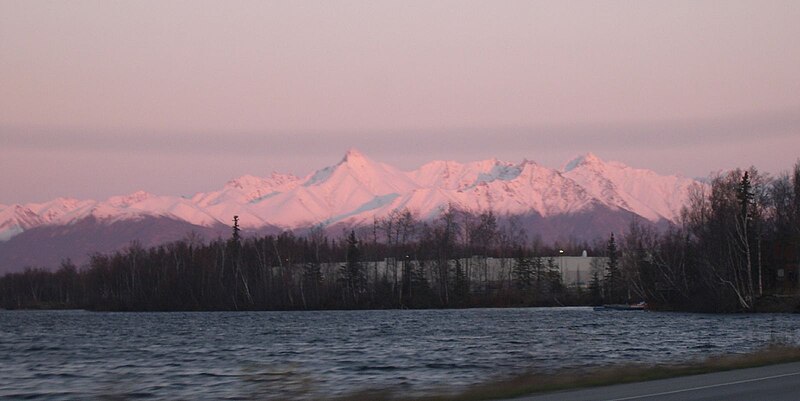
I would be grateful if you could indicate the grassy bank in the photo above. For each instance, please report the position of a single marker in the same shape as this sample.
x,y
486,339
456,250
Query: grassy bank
x,y
533,383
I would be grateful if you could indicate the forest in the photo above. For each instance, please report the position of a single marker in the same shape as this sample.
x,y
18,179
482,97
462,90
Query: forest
x,y
734,249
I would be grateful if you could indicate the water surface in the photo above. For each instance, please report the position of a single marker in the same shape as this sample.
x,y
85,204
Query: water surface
x,y
311,355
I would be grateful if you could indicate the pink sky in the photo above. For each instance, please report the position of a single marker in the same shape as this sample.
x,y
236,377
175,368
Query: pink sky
x,y
100,98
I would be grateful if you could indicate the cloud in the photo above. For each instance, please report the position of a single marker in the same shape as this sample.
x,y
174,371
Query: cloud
x,y
674,133
690,147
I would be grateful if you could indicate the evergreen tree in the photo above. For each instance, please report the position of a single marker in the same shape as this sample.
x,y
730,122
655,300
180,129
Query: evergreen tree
x,y
309,287
460,284
744,194
231,262
595,284
353,274
235,237
522,272
554,279
421,294
539,276
613,279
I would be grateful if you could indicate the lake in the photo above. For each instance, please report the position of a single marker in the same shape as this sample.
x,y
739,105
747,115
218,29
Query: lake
x,y
311,355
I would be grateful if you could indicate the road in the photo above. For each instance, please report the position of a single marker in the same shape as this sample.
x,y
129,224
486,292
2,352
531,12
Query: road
x,y
774,382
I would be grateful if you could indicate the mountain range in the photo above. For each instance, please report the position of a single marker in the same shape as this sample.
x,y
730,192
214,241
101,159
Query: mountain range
x,y
586,198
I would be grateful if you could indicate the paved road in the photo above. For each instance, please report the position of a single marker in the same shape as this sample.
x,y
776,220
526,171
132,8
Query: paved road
x,y
774,383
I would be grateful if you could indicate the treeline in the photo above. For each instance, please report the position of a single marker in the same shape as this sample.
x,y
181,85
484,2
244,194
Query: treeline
x,y
736,248
399,262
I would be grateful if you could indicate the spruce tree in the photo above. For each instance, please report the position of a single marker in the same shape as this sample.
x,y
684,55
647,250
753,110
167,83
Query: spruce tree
x,y
595,288
355,279
613,278
522,272
460,284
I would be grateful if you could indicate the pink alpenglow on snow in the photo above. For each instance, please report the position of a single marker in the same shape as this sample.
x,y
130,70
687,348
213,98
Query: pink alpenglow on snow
x,y
358,189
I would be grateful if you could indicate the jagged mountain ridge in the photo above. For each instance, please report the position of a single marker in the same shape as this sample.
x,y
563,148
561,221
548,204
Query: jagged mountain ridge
x,y
358,189
585,200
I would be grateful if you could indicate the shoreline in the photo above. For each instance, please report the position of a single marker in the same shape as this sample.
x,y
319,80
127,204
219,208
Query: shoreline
x,y
534,384
792,308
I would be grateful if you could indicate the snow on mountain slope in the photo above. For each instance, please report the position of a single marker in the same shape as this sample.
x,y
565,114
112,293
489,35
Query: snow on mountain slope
x,y
535,188
248,188
643,192
300,207
452,175
356,171
358,189
481,186
356,184
59,208
141,204
15,219
428,202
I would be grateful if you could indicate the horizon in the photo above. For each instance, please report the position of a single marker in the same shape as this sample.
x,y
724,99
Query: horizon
x,y
102,99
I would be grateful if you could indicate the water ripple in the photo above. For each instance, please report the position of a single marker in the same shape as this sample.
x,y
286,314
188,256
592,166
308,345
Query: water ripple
x,y
313,355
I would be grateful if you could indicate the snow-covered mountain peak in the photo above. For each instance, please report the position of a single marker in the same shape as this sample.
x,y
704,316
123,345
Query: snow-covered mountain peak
x,y
453,175
128,200
276,182
62,203
530,188
642,191
499,170
588,159
359,162
440,174
358,189
352,183
531,168
485,164
440,166
353,162
282,178
248,188
354,156
244,181
58,208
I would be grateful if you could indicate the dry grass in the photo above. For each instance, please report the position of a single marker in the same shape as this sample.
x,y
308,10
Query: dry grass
x,y
532,383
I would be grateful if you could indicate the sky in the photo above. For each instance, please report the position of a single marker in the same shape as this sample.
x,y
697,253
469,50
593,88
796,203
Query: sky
x,y
101,98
